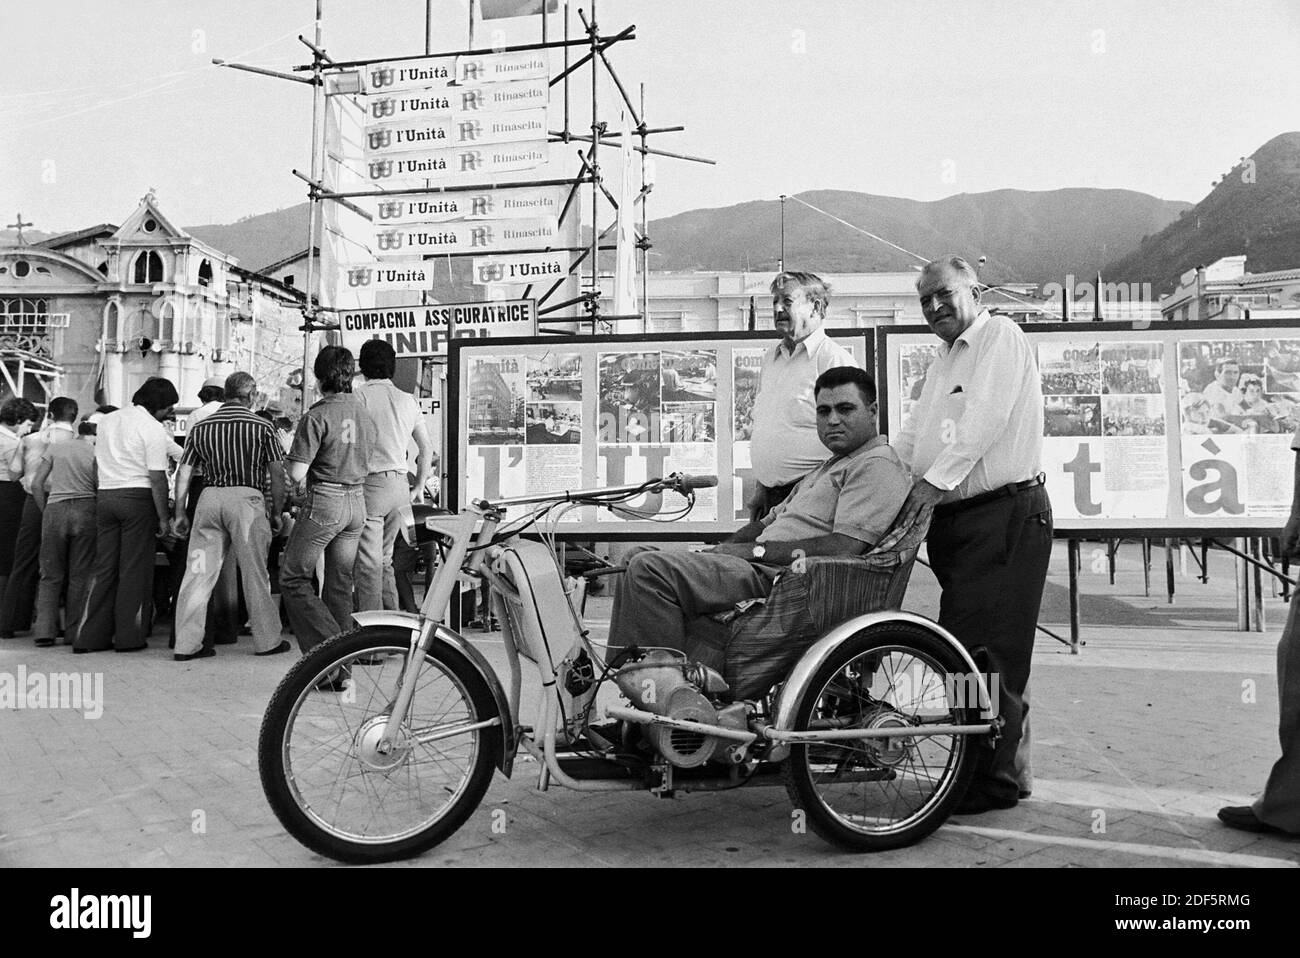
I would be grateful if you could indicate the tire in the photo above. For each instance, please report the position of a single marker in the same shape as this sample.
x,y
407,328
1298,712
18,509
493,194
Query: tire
x,y
345,801
863,796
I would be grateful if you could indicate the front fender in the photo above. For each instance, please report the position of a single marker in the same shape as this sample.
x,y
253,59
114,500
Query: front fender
x,y
796,686
415,623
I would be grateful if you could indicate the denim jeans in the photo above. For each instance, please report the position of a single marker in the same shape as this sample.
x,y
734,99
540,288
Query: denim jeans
x,y
386,493
67,558
329,521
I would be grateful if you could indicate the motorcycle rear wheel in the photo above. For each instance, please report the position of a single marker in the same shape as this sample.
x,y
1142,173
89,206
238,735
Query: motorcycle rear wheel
x,y
879,794
326,781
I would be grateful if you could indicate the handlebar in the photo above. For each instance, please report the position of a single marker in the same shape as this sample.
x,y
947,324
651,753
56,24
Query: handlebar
x,y
679,482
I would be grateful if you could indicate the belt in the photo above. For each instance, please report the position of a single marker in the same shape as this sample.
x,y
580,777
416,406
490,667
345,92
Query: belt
x,y
389,472
1010,489
339,485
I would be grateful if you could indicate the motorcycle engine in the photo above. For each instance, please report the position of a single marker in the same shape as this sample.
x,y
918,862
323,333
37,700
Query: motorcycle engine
x,y
663,682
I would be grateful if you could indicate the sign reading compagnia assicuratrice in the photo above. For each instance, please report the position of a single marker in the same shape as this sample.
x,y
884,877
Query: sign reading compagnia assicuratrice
x,y
423,330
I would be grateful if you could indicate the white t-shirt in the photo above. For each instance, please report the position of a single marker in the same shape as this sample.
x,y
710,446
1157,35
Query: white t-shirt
x,y
395,413
130,444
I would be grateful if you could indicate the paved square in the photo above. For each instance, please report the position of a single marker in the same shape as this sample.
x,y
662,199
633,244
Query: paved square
x,y
1166,715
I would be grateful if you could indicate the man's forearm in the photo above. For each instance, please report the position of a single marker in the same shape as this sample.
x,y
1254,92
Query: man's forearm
x,y
835,544
748,532
183,476
158,483
277,487
1295,495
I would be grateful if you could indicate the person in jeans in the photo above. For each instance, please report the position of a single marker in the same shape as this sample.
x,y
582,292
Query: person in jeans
x,y
334,442
398,421
236,450
64,489
131,510
18,601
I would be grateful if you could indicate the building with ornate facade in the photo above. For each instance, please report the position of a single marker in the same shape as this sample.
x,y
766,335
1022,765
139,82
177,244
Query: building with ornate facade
x,y
93,313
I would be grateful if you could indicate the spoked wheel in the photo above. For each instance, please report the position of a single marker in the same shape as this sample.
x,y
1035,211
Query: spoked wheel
x,y
319,750
874,794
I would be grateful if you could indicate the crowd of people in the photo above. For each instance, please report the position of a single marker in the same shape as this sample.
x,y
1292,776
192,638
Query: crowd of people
x,y
247,506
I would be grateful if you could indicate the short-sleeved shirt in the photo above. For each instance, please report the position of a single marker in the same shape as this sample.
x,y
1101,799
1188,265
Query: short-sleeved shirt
x,y
1295,440
395,413
130,444
784,444
72,470
336,436
233,446
9,441
857,495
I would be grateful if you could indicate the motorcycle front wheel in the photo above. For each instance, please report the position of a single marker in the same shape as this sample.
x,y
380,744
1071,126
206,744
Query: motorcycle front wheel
x,y
874,794
319,748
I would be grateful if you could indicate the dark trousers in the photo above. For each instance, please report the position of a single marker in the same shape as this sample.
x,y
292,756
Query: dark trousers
x,y
67,563
19,601
662,591
767,498
119,609
12,498
991,562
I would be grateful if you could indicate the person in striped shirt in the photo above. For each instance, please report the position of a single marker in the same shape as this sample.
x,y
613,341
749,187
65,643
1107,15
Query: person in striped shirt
x,y
236,450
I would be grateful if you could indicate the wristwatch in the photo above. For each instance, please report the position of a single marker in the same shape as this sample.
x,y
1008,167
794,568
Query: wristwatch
x,y
760,550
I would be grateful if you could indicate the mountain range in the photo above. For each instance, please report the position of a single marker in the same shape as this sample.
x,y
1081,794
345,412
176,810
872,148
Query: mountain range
x,y
1034,237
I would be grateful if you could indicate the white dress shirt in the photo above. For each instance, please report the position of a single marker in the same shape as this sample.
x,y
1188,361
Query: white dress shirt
x,y
783,445
395,413
978,425
129,444
9,443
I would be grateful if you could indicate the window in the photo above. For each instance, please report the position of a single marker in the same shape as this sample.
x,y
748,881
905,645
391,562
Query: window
x,y
148,268
205,273
22,268
288,279
150,225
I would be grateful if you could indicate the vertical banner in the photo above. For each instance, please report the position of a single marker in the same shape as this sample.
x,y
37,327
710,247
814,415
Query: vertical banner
x,y
345,251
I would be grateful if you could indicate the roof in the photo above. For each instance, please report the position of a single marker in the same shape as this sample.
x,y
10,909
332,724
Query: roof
x,y
280,263
68,239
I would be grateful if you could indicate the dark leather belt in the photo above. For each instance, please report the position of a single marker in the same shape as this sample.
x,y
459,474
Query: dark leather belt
x,y
1010,489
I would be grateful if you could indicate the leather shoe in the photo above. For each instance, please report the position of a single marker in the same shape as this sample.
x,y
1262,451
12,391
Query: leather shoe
x,y
976,803
1243,817
131,648
44,643
200,654
282,647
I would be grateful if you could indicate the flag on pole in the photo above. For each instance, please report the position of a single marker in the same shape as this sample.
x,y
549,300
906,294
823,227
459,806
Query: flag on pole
x,y
501,9
625,255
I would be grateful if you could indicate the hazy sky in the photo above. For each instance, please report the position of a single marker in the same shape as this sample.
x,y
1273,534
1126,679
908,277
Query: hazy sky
x,y
102,99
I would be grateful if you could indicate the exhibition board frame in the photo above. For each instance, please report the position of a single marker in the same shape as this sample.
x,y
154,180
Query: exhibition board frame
x,y
1176,526
462,351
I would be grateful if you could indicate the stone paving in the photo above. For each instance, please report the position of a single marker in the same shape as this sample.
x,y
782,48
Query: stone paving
x,y
1166,715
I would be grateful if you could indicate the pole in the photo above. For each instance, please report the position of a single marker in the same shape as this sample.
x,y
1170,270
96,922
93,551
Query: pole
x,y
1242,586
1072,553
317,164
780,263
1169,569
1146,567
1257,620
594,303
428,27
645,228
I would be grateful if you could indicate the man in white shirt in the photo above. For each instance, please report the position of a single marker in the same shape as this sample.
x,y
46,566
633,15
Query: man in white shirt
x,y
973,443
1222,392
131,511
399,421
784,446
